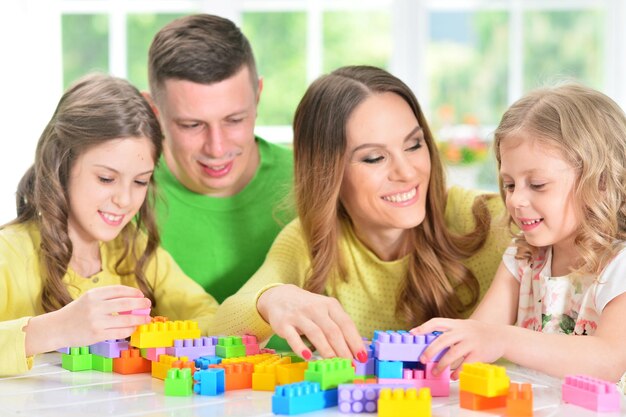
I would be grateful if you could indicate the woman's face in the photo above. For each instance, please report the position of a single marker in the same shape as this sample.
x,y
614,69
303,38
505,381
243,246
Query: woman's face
x,y
388,167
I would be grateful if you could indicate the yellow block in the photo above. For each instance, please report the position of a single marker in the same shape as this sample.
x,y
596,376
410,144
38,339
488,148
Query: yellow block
x,y
401,403
290,373
484,379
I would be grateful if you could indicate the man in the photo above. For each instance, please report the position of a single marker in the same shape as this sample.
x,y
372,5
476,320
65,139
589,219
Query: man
x,y
221,189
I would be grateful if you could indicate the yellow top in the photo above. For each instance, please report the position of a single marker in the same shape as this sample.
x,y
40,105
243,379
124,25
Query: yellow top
x,y
177,296
369,296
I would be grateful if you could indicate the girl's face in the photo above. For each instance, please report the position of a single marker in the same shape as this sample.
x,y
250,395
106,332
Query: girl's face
x,y
107,186
539,189
388,167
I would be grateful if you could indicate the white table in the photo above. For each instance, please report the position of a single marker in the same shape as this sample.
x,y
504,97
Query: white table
x,y
49,390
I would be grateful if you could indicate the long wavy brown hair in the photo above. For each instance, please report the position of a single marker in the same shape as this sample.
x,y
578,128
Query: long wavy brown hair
x,y
96,109
589,130
435,269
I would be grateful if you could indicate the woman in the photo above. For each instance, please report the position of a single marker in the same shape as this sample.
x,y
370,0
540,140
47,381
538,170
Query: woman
x,y
377,233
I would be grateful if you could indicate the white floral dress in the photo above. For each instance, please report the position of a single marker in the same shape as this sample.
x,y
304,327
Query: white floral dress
x,y
566,304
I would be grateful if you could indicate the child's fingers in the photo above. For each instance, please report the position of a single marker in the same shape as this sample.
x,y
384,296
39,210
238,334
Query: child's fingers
x,y
432,325
116,291
117,305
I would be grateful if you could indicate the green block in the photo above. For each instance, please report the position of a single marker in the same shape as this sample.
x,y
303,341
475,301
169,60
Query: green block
x,y
79,359
178,382
230,347
294,358
329,373
102,364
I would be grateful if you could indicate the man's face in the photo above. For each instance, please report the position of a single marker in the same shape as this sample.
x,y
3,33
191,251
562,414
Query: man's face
x,y
209,133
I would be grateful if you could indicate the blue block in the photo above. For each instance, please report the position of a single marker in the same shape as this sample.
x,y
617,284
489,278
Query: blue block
x,y
302,397
389,369
203,362
209,381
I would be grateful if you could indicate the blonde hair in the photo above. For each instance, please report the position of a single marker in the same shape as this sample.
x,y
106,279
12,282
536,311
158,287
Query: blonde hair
x,y
589,130
96,109
435,268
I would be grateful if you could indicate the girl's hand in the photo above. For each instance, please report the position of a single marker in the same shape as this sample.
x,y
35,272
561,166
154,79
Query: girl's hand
x,y
293,312
89,319
467,340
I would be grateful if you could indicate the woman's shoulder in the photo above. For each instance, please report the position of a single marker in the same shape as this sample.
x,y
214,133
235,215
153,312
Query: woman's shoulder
x,y
19,237
459,203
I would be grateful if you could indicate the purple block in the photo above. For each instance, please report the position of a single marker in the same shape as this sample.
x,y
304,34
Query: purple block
x,y
367,368
402,346
109,348
193,348
361,398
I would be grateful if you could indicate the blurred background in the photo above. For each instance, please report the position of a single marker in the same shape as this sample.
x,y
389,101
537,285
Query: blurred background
x,y
466,60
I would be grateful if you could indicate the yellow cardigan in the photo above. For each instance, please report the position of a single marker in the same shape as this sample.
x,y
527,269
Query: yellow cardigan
x,y
177,296
369,296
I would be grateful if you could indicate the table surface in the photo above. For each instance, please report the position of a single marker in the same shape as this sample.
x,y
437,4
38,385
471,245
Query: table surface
x,y
49,390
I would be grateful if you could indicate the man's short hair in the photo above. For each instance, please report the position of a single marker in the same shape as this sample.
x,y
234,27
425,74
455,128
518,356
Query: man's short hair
x,y
201,48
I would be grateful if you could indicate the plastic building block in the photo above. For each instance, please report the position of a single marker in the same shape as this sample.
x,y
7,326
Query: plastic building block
x,y
65,350
366,380
205,361
294,358
152,354
519,402
329,373
101,363
236,375
302,397
388,369
267,350
79,359
254,359
401,403
160,368
361,398
367,368
484,379
131,362
439,385
264,375
163,334
159,319
178,383
251,344
402,345
471,401
290,373
209,381
109,348
193,348
591,393
230,347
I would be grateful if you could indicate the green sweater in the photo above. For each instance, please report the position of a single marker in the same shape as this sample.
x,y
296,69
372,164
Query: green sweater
x,y
221,241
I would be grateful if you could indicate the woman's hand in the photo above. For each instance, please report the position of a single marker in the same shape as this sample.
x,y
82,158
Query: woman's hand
x,y
293,312
466,340
87,320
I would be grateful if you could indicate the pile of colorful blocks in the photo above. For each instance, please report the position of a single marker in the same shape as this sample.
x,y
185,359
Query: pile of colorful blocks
x,y
393,382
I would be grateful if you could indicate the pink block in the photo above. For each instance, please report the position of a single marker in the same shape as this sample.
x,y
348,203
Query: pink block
x,y
152,354
591,393
439,385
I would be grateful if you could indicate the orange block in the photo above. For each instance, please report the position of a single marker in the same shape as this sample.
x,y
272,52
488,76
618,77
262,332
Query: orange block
x,y
131,362
236,375
472,401
366,381
519,402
